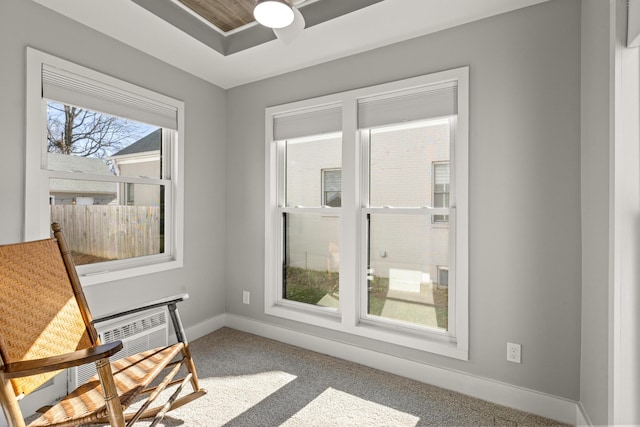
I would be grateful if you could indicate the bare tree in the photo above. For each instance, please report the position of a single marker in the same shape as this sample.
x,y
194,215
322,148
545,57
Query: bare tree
x,y
81,132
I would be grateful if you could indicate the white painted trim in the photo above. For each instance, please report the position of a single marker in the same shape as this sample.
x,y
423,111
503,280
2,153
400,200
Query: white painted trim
x,y
205,327
624,368
613,304
633,24
349,318
582,419
520,398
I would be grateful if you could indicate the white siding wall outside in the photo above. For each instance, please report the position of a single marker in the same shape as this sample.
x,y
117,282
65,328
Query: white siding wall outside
x,y
401,176
313,240
305,162
144,194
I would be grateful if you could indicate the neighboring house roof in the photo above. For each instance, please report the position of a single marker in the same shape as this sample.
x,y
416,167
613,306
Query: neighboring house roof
x,y
145,144
92,165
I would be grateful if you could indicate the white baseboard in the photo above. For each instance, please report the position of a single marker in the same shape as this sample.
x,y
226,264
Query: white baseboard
x,y
205,327
527,400
542,404
582,419
545,405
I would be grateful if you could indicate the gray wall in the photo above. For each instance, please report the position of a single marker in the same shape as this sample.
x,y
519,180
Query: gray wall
x,y
24,23
525,253
594,387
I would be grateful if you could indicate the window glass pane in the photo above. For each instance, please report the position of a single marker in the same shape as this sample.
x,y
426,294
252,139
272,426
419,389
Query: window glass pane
x,y
441,176
332,184
440,200
306,158
400,162
441,180
118,229
332,199
408,270
312,259
81,140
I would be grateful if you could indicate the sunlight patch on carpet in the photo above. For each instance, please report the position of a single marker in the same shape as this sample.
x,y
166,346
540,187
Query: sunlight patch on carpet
x,y
238,394
336,408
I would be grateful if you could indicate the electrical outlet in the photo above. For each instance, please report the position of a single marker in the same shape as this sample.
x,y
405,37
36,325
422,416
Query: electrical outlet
x,y
245,297
514,352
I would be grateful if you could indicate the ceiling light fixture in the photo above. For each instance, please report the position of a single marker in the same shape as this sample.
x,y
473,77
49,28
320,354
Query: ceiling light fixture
x,y
273,13
291,32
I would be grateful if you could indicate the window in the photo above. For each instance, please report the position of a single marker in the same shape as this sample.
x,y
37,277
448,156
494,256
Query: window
x,y
104,158
441,183
130,194
403,249
331,187
310,229
363,249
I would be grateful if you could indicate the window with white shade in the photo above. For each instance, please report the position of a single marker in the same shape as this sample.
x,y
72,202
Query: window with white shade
x,y
308,143
360,185
104,159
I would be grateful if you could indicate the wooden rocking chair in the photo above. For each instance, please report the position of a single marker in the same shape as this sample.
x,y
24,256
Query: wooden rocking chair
x,y
46,326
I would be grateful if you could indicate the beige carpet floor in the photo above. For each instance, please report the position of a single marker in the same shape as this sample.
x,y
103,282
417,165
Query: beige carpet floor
x,y
253,381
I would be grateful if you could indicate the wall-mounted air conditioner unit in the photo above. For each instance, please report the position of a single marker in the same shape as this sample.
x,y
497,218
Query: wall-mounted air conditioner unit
x,y
138,332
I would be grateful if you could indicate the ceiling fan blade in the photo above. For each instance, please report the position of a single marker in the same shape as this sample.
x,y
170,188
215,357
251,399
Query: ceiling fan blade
x,y
288,34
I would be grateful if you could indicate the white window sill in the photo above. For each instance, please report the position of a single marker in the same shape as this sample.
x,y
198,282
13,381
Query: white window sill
x,y
423,340
118,270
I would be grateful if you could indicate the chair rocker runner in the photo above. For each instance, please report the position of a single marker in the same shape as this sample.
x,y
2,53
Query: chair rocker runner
x,y
46,326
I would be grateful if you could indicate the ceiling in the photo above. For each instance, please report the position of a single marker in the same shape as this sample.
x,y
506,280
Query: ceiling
x,y
227,59
228,27
224,15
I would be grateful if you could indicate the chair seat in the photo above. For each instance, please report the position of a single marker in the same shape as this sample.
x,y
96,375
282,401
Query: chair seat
x,y
132,375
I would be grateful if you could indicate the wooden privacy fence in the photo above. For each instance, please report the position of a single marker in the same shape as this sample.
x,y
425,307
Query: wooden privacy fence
x,y
111,232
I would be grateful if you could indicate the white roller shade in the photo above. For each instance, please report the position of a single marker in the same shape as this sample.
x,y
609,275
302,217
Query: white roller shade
x,y
410,105
441,174
72,89
332,180
315,121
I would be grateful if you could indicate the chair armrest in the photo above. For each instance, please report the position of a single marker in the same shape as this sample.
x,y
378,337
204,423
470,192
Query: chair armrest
x,y
171,300
63,361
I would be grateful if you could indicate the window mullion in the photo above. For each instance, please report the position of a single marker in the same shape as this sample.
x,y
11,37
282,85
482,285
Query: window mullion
x,y
363,214
349,221
82,176
453,319
424,210
313,210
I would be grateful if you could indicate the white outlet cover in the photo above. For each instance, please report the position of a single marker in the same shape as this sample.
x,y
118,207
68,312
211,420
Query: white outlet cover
x,y
514,352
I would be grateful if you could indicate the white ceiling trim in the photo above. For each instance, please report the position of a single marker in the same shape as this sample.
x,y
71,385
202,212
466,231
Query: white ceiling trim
x,y
381,24
633,25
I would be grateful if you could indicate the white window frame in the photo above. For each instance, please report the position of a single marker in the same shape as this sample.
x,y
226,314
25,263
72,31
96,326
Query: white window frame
x,y
350,317
281,209
426,212
37,212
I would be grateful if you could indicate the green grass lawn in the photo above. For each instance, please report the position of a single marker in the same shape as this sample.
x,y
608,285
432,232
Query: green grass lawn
x,y
310,286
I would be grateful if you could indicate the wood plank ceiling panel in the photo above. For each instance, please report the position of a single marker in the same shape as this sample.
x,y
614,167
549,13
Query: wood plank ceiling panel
x,y
227,15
